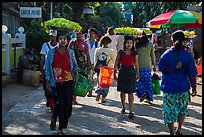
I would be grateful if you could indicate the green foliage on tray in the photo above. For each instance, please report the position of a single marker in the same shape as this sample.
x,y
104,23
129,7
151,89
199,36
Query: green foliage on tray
x,y
133,31
126,30
63,23
147,31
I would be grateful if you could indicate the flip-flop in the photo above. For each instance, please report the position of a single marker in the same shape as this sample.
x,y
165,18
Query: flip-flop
x,y
143,97
123,111
131,115
178,133
149,102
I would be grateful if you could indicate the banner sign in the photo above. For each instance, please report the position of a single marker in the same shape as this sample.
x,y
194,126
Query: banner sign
x,y
30,12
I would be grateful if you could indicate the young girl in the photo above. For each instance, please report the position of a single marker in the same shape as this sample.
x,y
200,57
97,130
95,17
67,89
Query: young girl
x,y
128,73
61,75
103,56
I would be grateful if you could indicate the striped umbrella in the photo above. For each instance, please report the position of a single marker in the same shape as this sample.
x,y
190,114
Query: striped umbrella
x,y
180,18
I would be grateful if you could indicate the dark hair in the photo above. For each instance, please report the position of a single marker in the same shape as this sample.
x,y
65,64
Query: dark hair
x,y
28,53
104,40
62,35
126,39
93,30
178,38
110,31
142,41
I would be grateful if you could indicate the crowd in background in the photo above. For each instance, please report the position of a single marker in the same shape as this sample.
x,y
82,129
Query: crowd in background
x,y
68,55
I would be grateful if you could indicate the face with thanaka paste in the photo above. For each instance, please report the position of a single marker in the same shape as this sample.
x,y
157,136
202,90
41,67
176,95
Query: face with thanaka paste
x,y
62,40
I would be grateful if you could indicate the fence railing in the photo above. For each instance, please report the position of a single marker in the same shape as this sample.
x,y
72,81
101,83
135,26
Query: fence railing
x,y
12,49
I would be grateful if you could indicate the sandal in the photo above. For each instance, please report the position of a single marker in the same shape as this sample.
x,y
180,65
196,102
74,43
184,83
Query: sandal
x,y
123,111
53,124
89,94
148,101
75,103
60,132
178,133
131,115
97,98
143,97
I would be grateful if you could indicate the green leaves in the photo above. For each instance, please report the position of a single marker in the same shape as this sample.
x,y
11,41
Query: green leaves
x,y
147,31
63,23
126,30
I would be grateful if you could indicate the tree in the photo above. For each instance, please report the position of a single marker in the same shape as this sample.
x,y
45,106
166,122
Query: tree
x,y
115,16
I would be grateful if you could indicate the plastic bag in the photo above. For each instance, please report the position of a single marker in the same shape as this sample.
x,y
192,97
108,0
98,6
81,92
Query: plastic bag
x,y
106,76
156,84
84,86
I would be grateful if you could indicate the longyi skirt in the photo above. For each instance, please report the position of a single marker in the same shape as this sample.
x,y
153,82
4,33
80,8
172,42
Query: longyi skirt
x,y
174,105
145,83
127,79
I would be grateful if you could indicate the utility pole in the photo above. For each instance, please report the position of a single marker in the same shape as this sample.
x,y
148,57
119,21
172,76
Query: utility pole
x,y
51,11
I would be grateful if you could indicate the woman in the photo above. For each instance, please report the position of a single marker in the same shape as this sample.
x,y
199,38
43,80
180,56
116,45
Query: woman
x,y
178,72
145,59
111,34
128,73
103,56
81,50
61,75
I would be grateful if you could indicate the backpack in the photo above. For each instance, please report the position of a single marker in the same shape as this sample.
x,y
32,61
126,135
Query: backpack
x,y
102,61
96,43
48,45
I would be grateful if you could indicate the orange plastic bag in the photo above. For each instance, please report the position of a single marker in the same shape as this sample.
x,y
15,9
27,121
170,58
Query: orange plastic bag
x,y
106,76
199,69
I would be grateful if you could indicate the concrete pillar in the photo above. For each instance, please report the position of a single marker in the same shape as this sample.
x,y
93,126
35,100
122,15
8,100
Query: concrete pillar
x,y
7,38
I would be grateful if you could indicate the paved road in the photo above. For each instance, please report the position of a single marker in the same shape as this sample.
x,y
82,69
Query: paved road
x,y
24,113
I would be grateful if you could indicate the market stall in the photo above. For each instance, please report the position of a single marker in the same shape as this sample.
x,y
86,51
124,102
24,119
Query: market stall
x,y
175,19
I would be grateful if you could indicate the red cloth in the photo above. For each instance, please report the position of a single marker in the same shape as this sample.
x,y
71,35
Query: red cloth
x,y
61,67
128,60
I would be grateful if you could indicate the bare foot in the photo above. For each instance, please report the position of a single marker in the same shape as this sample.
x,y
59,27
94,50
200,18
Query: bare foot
x,y
75,103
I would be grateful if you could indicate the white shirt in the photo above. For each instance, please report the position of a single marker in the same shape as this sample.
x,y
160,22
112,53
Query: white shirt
x,y
109,52
120,39
92,50
45,49
113,44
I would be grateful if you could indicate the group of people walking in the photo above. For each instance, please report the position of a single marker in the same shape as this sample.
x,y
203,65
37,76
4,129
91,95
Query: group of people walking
x,y
63,60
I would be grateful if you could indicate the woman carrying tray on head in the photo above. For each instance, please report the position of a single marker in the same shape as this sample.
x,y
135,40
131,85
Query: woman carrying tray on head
x,y
81,50
61,71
